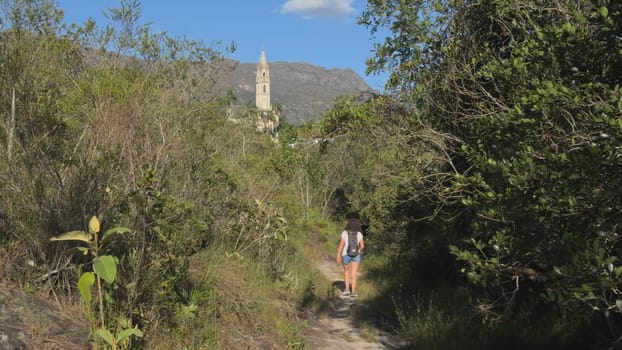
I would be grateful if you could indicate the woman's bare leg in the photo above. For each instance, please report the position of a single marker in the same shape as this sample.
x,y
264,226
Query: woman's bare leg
x,y
347,279
354,270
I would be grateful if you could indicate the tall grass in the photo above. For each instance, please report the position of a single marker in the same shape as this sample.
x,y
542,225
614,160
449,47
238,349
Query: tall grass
x,y
239,305
441,314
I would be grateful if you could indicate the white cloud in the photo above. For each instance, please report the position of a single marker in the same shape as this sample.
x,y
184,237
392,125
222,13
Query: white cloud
x,y
319,8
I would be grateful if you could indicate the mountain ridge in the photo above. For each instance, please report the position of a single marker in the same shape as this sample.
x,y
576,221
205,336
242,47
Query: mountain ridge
x,y
303,90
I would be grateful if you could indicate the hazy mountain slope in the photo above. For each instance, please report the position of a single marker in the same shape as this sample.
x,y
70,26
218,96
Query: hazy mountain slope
x,y
303,90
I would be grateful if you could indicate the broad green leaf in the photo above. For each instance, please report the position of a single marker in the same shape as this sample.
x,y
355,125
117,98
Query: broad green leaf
x,y
73,236
106,335
603,11
81,250
128,332
94,225
84,286
112,231
105,267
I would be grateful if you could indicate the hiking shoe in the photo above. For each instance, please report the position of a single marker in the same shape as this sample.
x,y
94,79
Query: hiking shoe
x,y
345,293
354,295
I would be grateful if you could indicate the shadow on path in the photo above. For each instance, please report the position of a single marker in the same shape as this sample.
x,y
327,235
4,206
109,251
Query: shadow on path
x,y
339,284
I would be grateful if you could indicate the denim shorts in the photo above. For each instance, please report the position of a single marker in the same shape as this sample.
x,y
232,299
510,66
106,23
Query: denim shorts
x,y
346,259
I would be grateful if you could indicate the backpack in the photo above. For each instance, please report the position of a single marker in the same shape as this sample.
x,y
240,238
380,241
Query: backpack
x,y
353,244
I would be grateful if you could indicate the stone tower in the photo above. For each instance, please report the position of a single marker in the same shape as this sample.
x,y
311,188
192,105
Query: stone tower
x,y
262,89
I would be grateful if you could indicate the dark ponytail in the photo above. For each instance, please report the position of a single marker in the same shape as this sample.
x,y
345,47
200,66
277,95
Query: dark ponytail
x,y
353,225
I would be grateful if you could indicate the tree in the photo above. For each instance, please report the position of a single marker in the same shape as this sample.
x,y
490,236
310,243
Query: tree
x,y
528,95
36,75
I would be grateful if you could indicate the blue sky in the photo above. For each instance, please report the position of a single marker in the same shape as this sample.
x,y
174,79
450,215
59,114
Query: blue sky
x,y
320,32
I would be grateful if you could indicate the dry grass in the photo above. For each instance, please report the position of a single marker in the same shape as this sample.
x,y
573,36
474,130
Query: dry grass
x,y
33,309
39,323
239,307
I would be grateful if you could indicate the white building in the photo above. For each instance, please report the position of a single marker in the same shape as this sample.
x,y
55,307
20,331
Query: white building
x,y
267,120
262,85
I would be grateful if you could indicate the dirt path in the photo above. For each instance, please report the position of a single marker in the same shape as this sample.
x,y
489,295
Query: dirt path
x,y
338,329
29,322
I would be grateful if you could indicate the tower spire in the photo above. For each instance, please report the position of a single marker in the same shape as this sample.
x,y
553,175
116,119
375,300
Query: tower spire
x,y
262,87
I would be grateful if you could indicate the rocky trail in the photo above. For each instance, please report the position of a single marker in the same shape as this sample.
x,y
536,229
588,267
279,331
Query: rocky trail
x,y
339,330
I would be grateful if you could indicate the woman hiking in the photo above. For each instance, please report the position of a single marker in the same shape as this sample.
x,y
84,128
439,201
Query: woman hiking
x,y
349,254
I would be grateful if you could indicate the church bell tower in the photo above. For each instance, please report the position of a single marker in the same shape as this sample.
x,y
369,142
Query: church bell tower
x,y
262,89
